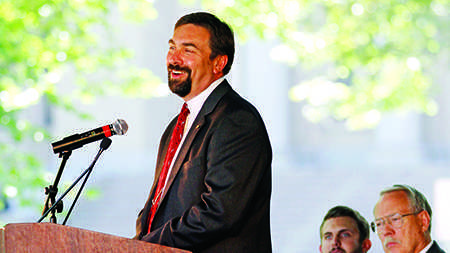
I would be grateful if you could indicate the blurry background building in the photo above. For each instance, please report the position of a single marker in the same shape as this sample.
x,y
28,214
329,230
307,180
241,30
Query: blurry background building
x,y
315,167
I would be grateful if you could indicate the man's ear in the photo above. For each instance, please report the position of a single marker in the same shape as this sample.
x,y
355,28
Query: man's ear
x,y
320,248
424,218
366,244
219,63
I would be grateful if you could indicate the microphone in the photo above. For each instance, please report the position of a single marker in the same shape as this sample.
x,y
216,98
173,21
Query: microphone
x,y
75,141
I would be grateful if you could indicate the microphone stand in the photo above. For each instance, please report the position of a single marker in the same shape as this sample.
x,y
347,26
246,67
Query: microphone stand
x,y
106,142
52,190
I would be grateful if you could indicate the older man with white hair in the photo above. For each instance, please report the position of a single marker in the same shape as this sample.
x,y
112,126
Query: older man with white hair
x,y
403,221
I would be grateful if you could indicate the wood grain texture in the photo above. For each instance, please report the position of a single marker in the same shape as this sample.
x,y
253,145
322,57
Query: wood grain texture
x,y
54,238
2,240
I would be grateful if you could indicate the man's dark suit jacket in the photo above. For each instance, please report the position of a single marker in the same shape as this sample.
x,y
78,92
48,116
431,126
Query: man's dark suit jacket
x,y
217,198
435,248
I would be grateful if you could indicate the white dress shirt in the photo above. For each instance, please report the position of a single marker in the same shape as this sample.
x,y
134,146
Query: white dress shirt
x,y
194,105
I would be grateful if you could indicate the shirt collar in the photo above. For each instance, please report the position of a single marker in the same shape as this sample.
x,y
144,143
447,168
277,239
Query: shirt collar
x,y
196,103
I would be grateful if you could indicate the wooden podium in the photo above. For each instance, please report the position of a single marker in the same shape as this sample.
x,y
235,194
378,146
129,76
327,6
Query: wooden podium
x,y
54,238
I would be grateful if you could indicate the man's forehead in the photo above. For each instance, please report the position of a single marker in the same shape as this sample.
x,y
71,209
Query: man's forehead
x,y
190,35
391,203
337,224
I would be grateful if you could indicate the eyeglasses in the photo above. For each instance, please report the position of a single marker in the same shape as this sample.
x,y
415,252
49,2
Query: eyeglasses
x,y
395,220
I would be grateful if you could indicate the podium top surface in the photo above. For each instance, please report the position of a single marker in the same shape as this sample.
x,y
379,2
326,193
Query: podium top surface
x,y
50,237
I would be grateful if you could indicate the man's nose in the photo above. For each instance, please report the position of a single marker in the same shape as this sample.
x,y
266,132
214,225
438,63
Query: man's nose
x,y
387,229
337,241
174,57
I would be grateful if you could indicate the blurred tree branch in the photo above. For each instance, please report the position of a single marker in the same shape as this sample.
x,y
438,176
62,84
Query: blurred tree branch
x,y
374,56
42,40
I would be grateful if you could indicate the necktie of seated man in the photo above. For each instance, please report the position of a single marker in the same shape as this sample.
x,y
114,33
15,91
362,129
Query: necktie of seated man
x,y
175,140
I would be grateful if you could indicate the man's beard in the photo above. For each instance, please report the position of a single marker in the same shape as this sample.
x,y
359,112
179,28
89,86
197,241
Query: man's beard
x,y
183,87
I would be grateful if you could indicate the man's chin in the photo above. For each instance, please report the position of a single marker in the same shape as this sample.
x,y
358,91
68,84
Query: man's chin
x,y
175,82
392,250
180,89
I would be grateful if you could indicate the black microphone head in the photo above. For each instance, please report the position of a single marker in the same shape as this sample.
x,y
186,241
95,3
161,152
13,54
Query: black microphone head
x,y
120,126
106,142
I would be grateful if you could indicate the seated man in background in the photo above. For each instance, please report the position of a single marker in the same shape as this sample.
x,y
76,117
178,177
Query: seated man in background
x,y
344,230
403,221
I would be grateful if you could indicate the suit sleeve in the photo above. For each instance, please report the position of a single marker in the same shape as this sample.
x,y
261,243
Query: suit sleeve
x,y
238,156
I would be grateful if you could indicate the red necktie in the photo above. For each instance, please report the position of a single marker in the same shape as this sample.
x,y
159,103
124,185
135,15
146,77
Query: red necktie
x,y
175,140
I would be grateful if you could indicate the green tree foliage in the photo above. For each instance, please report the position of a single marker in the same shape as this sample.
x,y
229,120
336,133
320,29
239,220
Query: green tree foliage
x,y
371,57
40,41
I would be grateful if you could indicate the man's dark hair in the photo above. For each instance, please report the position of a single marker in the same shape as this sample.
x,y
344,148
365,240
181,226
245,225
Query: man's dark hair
x,y
344,211
221,36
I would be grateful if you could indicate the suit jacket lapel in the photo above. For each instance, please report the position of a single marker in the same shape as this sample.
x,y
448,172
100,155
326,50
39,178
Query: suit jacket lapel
x,y
435,248
207,108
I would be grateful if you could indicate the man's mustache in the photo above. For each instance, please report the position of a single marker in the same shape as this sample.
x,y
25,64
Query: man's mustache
x,y
337,250
389,240
178,68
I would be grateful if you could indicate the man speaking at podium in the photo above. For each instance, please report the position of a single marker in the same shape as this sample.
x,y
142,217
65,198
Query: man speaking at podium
x,y
212,185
